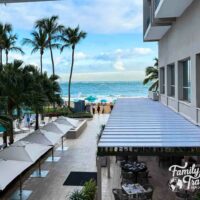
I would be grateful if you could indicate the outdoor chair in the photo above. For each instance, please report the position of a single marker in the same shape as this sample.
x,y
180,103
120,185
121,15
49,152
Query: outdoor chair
x,y
121,158
132,158
142,177
128,177
119,194
148,194
182,195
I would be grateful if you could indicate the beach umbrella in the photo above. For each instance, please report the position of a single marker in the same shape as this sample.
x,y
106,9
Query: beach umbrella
x,y
24,151
11,169
52,127
103,100
68,121
43,137
63,120
91,99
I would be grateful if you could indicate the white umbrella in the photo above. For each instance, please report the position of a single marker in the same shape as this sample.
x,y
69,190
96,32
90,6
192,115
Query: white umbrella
x,y
24,151
63,120
74,122
11,169
51,127
62,127
43,137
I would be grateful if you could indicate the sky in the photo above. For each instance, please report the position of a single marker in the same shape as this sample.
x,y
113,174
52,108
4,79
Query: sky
x,y
113,49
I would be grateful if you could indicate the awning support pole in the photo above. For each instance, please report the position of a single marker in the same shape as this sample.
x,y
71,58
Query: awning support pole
x,y
108,166
99,183
39,167
20,186
52,154
62,143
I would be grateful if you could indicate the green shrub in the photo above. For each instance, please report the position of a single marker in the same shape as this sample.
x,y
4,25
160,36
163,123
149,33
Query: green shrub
x,y
89,190
87,193
77,195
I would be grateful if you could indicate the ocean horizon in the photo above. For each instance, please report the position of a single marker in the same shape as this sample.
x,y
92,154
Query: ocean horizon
x,y
105,89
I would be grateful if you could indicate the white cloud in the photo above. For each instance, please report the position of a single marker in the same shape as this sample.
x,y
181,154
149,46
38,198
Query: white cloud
x,y
96,16
80,55
119,65
106,76
142,51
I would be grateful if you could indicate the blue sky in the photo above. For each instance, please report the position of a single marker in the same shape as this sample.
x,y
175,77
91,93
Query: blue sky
x,y
113,50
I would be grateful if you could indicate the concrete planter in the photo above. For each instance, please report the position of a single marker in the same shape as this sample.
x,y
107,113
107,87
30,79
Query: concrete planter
x,y
154,95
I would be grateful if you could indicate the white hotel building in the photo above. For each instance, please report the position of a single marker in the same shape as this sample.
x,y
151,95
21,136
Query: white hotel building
x,y
175,24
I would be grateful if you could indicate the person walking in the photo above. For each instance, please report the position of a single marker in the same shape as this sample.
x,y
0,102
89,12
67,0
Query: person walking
x,y
98,109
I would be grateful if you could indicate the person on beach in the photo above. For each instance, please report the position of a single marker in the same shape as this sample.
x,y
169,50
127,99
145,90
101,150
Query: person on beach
x,y
93,109
103,110
111,107
98,109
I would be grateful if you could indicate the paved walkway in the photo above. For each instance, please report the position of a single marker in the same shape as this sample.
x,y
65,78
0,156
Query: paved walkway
x,y
81,156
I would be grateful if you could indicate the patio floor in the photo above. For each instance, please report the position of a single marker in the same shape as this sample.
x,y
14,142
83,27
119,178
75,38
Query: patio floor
x,y
81,156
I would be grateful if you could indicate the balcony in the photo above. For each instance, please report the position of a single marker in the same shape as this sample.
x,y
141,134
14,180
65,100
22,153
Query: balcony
x,y
155,33
171,9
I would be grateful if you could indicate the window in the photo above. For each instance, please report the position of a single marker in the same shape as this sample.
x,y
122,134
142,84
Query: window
x,y
162,80
186,80
171,80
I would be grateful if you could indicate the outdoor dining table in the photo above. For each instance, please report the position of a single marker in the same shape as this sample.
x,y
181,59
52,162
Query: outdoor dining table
x,y
134,167
133,190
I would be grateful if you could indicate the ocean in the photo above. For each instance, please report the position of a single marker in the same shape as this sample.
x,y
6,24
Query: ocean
x,y
106,89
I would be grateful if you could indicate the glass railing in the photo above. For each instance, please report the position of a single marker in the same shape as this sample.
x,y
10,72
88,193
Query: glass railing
x,y
147,24
156,3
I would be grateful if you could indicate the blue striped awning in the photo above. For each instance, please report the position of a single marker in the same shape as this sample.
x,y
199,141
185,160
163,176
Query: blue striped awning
x,y
140,125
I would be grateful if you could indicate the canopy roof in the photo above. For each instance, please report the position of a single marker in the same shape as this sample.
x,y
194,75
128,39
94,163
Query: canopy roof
x,y
43,137
143,126
11,169
52,127
24,151
65,121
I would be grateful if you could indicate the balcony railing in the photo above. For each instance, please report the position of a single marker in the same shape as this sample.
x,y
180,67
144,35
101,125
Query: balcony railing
x,y
156,3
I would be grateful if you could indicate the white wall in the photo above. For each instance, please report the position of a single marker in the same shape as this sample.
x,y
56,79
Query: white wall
x,y
183,41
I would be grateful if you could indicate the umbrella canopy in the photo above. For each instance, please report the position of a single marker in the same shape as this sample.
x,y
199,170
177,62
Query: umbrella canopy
x,y
62,127
24,151
63,120
74,122
52,127
43,137
11,169
91,98
103,100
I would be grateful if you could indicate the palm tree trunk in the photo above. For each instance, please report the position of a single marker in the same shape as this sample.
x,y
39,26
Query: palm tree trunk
x,y
6,57
37,121
1,58
41,63
5,142
11,138
52,58
70,77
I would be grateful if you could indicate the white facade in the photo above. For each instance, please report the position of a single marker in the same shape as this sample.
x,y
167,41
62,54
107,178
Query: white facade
x,y
179,57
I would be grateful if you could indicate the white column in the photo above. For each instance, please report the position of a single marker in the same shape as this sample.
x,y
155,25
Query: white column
x,y
99,183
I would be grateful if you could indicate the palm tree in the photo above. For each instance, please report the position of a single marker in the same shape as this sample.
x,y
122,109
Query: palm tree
x,y
9,45
4,30
52,28
39,43
152,75
71,37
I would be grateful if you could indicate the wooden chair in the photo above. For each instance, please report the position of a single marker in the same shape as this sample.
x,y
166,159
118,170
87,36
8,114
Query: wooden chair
x,y
142,177
148,194
119,194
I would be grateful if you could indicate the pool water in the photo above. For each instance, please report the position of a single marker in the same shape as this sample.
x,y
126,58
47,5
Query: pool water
x,y
2,128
